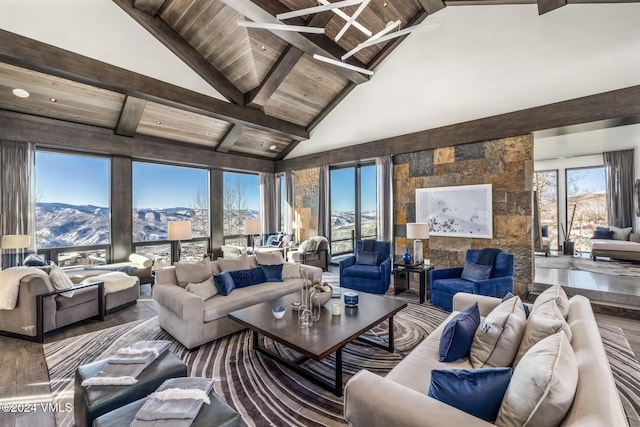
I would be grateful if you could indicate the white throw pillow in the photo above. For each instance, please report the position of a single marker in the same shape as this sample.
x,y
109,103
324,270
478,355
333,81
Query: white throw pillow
x,y
61,281
270,258
204,290
192,272
545,321
143,260
234,264
553,293
290,271
497,338
620,233
543,385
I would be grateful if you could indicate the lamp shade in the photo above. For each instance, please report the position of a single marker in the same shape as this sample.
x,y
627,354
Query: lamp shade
x,y
15,241
179,230
417,231
252,226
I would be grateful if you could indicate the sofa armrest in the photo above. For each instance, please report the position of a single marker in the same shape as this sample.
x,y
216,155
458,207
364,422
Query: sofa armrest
x,y
347,262
385,266
445,273
462,300
182,303
633,237
371,401
496,287
316,272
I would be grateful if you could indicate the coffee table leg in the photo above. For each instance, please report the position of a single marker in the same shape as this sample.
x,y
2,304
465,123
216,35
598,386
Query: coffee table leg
x,y
338,389
391,338
255,339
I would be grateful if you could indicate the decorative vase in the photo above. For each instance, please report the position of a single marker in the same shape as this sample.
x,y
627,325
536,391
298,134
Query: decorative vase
x,y
316,307
407,256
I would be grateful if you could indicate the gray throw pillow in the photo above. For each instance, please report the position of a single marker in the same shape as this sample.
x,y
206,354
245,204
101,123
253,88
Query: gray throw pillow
x,y
474,272
366,258
620,233
192,272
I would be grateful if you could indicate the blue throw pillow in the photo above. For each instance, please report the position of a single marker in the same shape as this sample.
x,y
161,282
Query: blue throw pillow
x,y
602,228
224,283
601,234
366,258
34,260
250,277
510,295
272,273
478,392
474,272
545,231
457,336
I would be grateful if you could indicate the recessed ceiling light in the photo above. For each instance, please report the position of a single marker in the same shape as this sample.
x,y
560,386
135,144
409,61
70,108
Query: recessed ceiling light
x,y
53,100
263,48
158,122
272,147
20,93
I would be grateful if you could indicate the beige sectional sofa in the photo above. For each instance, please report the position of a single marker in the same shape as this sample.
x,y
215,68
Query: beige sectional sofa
x,y
400,399
618,249
194,321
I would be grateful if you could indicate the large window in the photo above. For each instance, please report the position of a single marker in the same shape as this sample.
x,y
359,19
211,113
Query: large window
x,y
241,201
163,193
72,207
546,186
586,204
353,206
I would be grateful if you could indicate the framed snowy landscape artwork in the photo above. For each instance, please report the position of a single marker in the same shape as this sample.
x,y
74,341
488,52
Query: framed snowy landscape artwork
x,y
459,211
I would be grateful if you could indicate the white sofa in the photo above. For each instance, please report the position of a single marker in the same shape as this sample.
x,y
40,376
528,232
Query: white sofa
x,y
400,399
194,321
618,249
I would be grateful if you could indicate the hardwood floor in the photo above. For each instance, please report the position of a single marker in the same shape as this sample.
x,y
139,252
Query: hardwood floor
x,y
24,379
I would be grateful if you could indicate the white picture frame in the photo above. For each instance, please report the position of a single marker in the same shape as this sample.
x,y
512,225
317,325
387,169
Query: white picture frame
x,y
457,211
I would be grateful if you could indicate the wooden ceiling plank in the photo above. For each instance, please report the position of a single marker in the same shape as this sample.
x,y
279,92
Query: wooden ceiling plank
x,y
309,45
432,6
230,138
130,116
276,76
150,7
545,6
31,54
183,50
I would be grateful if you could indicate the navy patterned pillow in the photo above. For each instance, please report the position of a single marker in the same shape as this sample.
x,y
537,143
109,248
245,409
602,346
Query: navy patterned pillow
x,y
250,277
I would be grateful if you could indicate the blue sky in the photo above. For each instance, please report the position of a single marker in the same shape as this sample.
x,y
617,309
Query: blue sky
x,y
251,184
588,179
162,186
343,189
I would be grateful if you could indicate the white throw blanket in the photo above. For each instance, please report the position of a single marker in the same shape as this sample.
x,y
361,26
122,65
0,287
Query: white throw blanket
x,y
113,282
10,284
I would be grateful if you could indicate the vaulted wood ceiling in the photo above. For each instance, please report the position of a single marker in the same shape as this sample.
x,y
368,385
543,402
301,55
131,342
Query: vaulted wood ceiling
x,y
276,91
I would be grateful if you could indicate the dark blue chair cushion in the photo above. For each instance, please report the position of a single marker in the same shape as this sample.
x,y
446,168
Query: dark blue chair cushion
x,y
224,283
363,271
272,273
475,272
478,392
249,277
368,258
453,286
457,335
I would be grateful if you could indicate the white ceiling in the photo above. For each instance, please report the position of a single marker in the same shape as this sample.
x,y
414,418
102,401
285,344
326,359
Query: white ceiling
x,y
481,61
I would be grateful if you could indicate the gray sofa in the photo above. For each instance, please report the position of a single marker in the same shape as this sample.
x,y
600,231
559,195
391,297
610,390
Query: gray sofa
x,y
400,399
617,249
194,321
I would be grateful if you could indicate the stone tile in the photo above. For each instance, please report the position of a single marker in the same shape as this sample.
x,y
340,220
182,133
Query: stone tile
x,y
473,151
444,155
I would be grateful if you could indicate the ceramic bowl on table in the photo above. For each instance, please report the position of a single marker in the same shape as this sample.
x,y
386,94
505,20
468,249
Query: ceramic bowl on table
x,y
324,293
278,312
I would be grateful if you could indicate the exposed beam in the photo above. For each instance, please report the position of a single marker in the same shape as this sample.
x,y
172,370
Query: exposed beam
x,y
31,54
150,7
545,6
275,77
617,104
506,2
183,50
130,116
229,139
306,43
52,133
432,6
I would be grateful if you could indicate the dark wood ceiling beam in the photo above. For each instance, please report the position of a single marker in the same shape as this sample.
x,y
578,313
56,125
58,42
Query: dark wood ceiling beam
x,y
432,6
183,50
309,45
275,77
508,2
130,116
545,6
34,55
617,104
230,138
150,7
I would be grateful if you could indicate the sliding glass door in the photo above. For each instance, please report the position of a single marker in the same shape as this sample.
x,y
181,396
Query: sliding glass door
x,y
586,204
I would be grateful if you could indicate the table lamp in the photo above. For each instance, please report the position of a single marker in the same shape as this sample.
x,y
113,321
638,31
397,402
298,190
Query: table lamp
x,y
418,232
15,242
251,228
179,230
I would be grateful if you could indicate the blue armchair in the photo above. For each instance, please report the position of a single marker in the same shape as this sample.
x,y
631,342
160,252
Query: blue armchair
x,y
448,281
366,272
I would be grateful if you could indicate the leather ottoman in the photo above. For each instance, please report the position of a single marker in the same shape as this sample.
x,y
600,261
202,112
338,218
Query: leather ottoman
x,y
218,413
91,402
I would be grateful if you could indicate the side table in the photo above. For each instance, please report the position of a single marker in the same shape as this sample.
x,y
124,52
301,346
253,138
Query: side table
x,y
402,284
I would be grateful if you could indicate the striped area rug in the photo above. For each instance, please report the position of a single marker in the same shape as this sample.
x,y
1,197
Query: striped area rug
x,y
265,393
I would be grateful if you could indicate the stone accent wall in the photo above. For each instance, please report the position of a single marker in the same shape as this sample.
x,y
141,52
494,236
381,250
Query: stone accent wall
x,y
306,202
507,164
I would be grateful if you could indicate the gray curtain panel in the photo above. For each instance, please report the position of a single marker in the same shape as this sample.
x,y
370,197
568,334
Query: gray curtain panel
x,y
288,202
16,205
324,216
384,199
268,203
619,172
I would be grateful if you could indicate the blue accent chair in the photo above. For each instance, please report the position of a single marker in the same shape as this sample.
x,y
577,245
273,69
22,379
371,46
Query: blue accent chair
x,y
448,281
367,278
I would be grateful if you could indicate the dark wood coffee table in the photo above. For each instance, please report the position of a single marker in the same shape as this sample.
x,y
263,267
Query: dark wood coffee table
x,y
326,336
